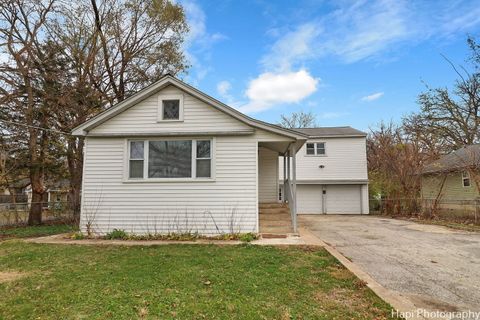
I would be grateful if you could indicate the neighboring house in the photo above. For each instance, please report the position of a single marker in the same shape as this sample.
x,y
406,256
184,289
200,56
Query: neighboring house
x,y
14,193
451,179
56,194
17,187
172,159
331,172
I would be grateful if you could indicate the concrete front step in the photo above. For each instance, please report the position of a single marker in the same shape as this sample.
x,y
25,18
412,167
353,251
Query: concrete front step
x,y
276,230
271,205
275,217
273,210
273,236
276,223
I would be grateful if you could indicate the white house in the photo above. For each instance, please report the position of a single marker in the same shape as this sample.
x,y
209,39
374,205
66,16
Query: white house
x,y
172,159
331,173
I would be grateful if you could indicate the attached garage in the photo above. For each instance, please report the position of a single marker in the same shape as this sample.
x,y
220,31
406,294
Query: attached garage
x,y
343,199
309,199
329,199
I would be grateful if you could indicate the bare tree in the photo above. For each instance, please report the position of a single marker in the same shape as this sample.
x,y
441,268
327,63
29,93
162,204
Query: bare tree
x,y
449,118
299,119
111,48
395,162
69,60
139,41
22,28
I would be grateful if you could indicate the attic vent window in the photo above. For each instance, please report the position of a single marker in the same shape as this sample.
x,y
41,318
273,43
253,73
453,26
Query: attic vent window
x,y
170,108
466,178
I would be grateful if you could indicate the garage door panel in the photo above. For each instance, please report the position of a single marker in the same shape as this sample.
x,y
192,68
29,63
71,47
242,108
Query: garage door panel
x,y
309,199
343,199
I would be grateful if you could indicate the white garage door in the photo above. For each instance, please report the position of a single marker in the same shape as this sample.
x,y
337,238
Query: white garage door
x,y
309,199
343,199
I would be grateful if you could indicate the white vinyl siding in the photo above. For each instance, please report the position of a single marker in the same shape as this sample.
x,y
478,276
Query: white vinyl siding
x,y
267,175
227,204
170,206
345,159
197,117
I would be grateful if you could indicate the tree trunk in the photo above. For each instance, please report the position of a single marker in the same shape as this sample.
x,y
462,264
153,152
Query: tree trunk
x,y
35,215
36,183
75,168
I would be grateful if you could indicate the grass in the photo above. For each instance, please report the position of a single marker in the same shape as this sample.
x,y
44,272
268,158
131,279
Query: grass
x,y
180,282
34,231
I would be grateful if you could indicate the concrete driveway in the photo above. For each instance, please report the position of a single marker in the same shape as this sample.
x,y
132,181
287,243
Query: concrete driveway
x,y
434,267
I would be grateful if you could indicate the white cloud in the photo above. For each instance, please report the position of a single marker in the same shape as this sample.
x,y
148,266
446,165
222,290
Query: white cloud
x,y
358,30
372,97
294,46
223,87
270,88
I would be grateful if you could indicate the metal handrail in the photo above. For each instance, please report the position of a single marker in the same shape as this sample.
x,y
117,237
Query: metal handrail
x,y
291,201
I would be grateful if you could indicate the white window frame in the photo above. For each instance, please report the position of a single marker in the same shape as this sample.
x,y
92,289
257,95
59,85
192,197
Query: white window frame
x,y
466,176
135,159
195,158
193,177
163,97
315,146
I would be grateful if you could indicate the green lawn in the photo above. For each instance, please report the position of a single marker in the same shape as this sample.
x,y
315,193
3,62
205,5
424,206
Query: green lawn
x,y
34,231
180,282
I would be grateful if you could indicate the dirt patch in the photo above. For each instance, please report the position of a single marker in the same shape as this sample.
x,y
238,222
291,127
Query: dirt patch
x,y
340,273
7,276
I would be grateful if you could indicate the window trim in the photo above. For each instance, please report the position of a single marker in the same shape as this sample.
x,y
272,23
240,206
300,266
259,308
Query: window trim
x,y
467,177
160,100
129,159
315,148
146,179
195,158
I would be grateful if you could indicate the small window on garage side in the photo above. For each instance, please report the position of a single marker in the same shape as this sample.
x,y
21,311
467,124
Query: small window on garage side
x,y
311,149
170,108
320,148
466,179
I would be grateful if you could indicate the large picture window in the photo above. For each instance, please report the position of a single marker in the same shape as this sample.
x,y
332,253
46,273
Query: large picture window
x,y
170,159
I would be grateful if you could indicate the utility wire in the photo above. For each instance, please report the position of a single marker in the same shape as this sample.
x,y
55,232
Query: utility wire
x,y
35,127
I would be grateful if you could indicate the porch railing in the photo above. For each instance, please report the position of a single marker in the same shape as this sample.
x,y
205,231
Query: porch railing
x,y
291,203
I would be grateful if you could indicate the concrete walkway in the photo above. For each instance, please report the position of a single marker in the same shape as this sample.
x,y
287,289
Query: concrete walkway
x,y
436,268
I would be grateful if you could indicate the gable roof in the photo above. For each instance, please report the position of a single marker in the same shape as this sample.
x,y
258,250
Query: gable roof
x,y
325,132
82,130
457,160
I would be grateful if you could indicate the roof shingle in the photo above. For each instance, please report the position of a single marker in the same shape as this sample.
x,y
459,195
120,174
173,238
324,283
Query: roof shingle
x,y
331,132
457,160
